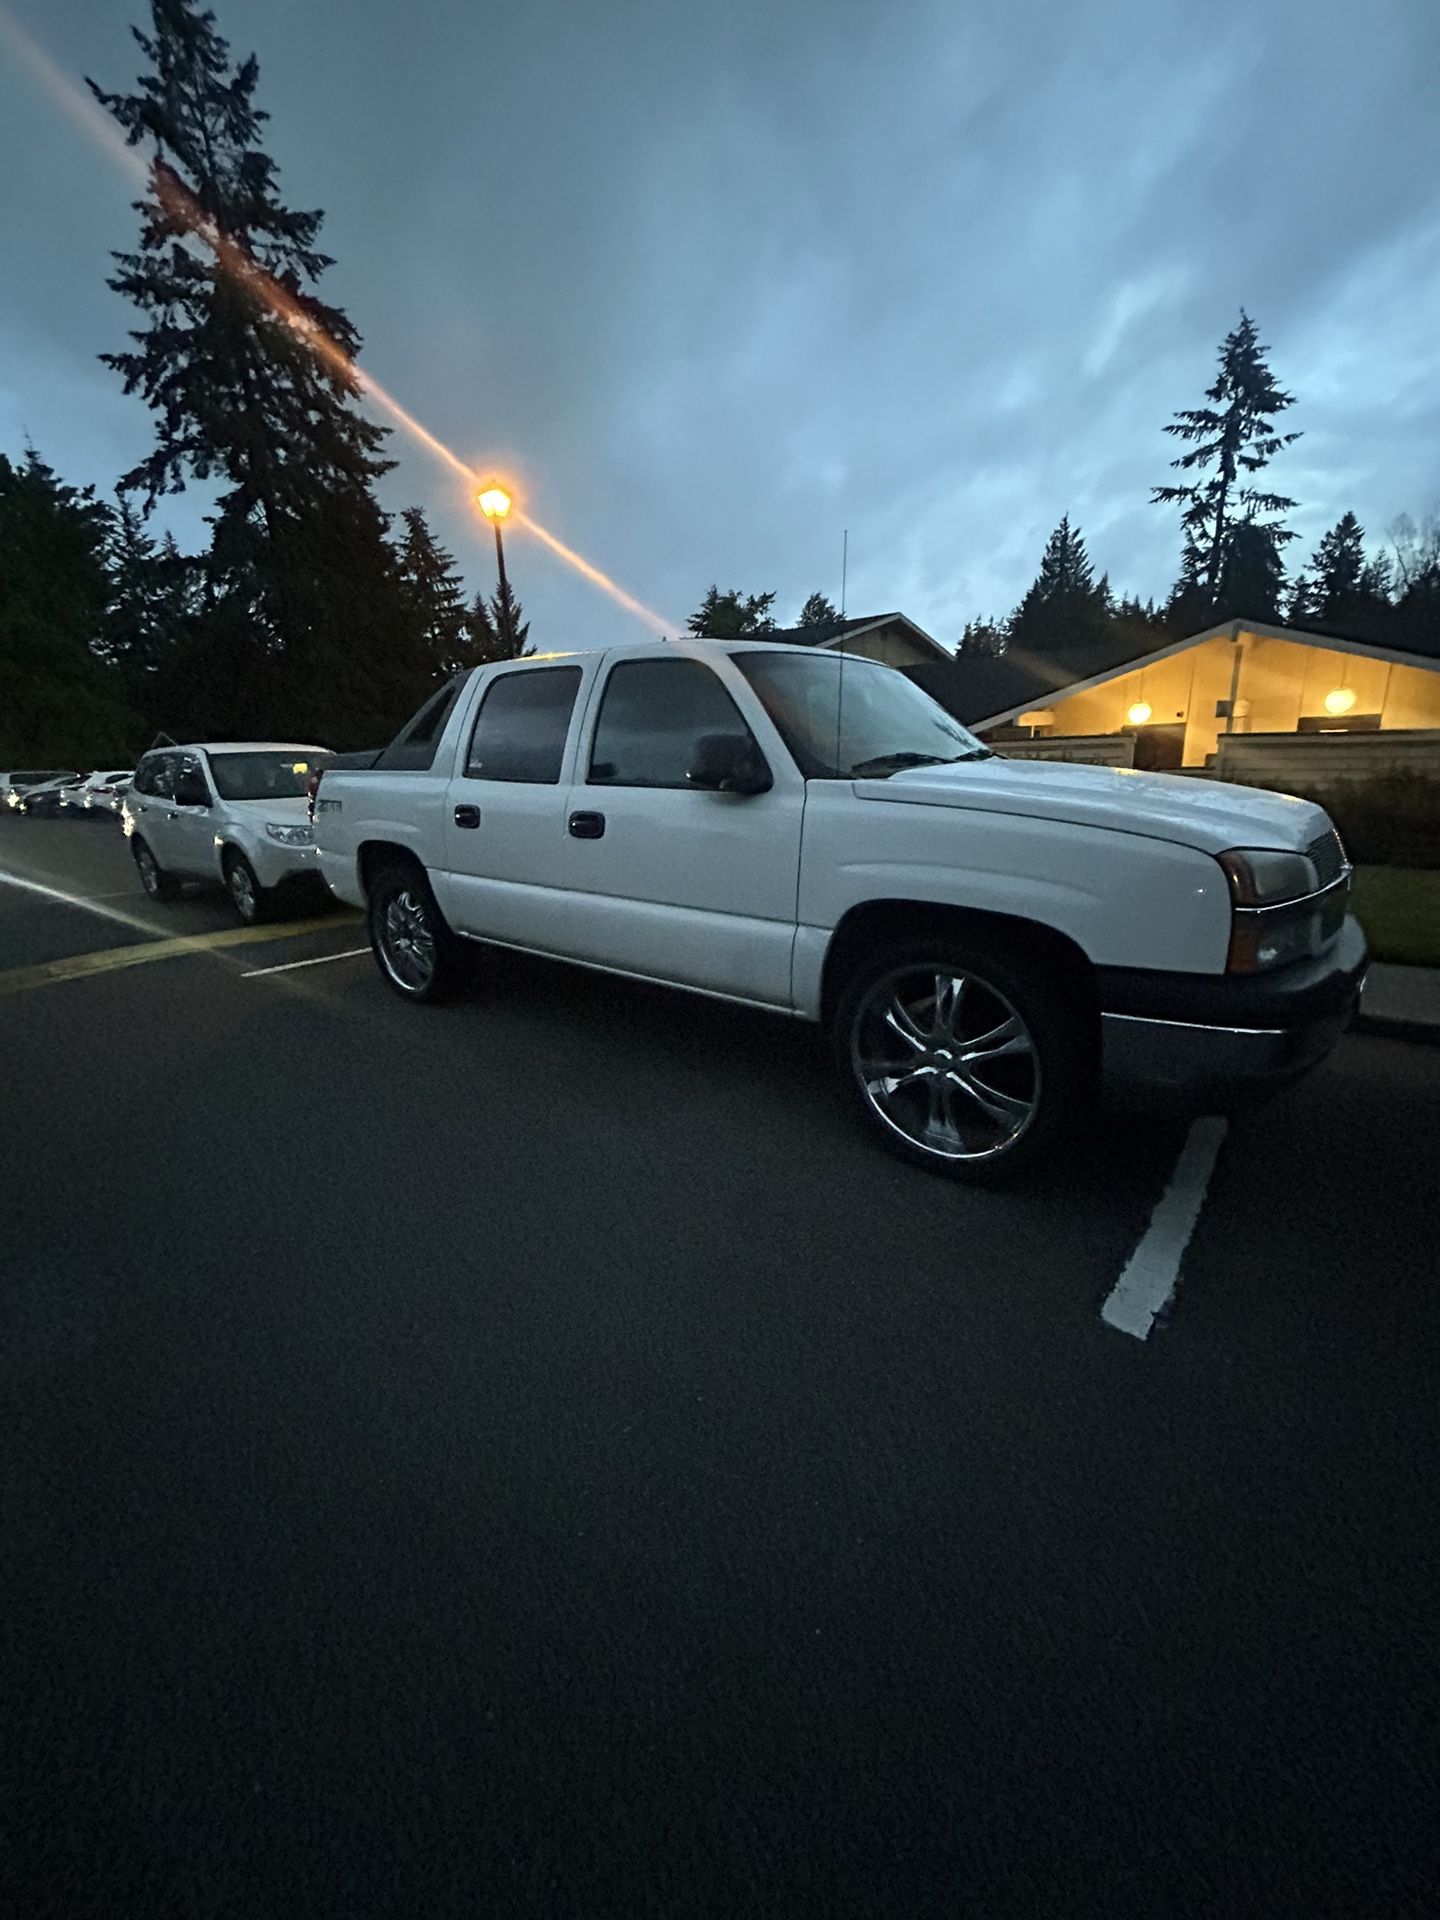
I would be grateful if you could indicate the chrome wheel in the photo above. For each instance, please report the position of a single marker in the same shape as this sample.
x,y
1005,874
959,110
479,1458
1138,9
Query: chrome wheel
x,y
946,1062
407,941
149,872
241,882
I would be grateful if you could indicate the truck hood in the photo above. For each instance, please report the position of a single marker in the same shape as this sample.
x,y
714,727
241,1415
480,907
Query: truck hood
x,y
287,810
1194,813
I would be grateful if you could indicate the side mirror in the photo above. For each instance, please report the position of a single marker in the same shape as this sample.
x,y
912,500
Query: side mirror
x,y
191,791
729,763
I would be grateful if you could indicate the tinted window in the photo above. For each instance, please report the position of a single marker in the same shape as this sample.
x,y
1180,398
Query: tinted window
x,y
157,776
413,748
653,715
520,731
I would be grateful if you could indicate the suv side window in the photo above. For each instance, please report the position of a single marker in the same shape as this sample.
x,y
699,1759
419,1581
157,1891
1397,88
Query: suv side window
x,y
413,748
187,766
157,777
521,728
652,716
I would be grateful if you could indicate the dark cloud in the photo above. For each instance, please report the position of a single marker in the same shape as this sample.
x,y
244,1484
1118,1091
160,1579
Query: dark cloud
x,y
720,284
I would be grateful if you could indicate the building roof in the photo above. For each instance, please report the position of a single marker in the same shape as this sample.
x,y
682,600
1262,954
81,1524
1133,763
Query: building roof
x,y
849,630
986,690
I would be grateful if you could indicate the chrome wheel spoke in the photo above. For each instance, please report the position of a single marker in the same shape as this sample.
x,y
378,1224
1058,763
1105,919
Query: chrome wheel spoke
x,y
949,998
1004,1108
940,1128
885,1078
1008,1038
901,1022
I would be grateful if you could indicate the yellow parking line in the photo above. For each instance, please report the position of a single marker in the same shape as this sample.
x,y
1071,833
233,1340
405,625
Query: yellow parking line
x,y
80,965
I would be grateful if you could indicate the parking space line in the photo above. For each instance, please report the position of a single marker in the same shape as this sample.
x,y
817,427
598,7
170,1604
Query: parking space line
x,y
1151,1274
320,960
80,966
87,903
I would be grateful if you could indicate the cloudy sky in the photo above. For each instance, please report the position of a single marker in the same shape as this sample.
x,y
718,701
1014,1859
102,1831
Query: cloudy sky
x,y
716,283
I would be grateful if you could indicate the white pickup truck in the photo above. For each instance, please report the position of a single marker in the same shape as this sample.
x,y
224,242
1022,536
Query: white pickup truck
x,y
987,941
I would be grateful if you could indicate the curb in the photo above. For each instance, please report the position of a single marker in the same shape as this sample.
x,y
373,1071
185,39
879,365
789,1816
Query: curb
x,y
1420,1033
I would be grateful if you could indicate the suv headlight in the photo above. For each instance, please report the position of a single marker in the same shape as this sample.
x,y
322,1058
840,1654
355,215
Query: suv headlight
x,y
1261,878
292,836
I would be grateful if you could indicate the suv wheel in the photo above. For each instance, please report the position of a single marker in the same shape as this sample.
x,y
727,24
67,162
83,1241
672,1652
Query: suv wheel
x,y
967,1062
153,877
417,954
247,896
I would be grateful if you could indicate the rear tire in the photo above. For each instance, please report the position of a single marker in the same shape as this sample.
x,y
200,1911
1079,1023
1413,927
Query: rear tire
x,y
963,1058
418,956
153,877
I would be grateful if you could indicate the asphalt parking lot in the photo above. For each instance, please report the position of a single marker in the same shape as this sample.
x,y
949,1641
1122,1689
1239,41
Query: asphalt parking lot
x,y
533,1456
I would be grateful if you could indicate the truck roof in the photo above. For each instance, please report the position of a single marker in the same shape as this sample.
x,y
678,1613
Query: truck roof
x,y
682,644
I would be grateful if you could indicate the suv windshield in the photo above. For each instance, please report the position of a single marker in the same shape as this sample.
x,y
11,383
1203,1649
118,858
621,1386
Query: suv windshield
x,y
265,776
843,718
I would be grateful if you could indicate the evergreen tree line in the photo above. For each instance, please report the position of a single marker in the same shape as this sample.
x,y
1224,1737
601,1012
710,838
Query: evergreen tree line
x,y
1233,547
308,614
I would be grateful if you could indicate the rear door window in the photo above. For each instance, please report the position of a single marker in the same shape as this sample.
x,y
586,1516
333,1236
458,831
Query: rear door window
x,y
521,728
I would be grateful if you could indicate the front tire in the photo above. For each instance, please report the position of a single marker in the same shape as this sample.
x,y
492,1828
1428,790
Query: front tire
x,y
249,899
417,954
963,1059
153,877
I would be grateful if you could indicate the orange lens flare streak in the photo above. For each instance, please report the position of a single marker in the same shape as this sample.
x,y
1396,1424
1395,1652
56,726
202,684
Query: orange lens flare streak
x,y
184,210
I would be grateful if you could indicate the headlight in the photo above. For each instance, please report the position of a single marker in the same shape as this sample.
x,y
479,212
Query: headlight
x,y
292,836
1261,878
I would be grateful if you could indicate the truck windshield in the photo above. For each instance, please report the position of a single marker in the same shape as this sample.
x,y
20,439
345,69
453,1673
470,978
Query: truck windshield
x,y
843,719
265,776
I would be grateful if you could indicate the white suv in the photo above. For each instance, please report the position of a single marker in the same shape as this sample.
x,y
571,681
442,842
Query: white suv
x,y
236,813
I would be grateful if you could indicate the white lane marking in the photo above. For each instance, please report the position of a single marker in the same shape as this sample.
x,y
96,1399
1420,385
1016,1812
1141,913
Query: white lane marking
x,y
86,904
1152,1273
320,960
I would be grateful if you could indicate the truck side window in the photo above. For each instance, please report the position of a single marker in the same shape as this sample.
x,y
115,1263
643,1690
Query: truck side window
x,y
413,748
652,715
520,730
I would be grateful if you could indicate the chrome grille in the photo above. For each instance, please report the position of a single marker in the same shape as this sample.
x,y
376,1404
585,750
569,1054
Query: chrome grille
x,y
1328,856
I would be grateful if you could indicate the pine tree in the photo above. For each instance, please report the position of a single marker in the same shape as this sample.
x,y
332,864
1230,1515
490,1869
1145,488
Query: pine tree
x,y
983,637
512,629
154,597
732,615
434,597
251,380
1190,605
486,636
1231,439
58,701
1252,574
1064,611
818,612
482,641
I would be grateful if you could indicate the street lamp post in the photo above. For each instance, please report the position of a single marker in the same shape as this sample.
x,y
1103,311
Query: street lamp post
x,y
495,503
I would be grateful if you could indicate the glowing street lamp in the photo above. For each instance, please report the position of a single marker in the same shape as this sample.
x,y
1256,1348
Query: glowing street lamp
x,y
495,503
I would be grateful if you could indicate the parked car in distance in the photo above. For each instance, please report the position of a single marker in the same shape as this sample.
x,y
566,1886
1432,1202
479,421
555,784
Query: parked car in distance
x,y
233,813
14,786
49,797
98,792
987,941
